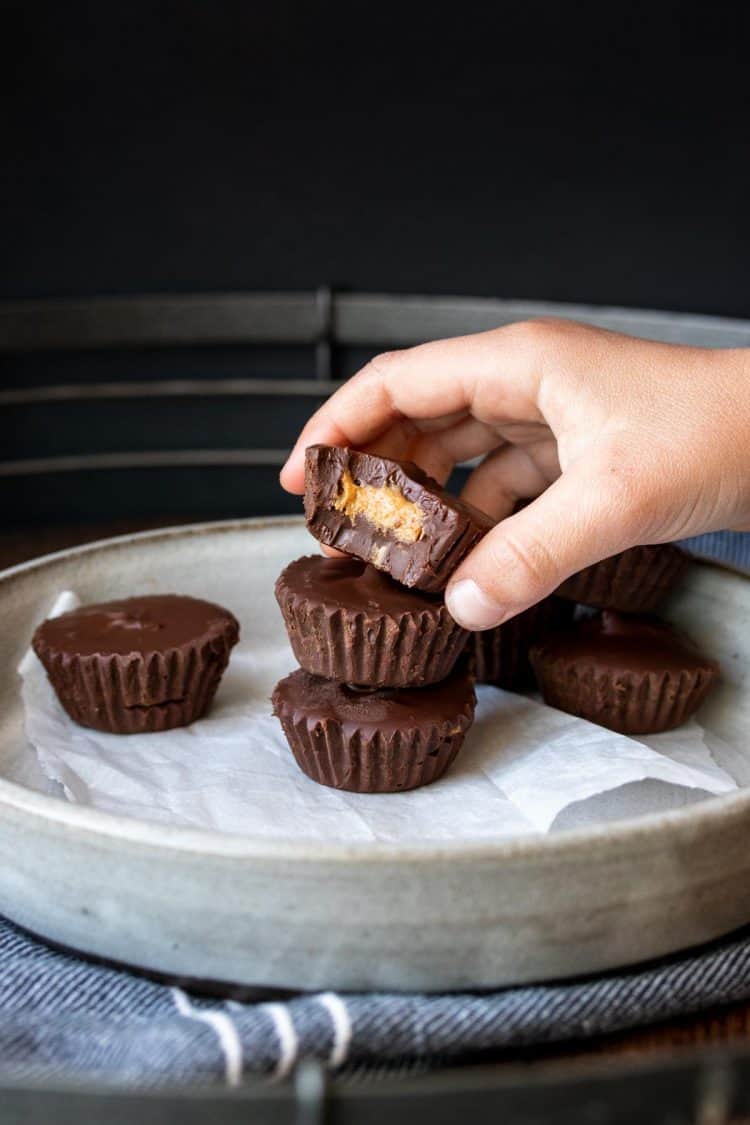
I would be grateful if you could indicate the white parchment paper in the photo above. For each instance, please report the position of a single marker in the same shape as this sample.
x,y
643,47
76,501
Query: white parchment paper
x,y
522,765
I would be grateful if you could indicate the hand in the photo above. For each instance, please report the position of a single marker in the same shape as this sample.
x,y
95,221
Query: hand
x,y
621,441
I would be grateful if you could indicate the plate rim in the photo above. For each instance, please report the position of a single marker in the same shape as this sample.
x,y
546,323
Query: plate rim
x,y
19,799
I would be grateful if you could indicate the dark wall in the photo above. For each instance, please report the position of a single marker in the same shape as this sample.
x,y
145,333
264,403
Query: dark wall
x,y
580,152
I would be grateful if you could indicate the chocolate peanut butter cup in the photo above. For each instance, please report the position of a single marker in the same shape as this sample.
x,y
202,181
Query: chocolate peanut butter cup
x,y
635,581
374,742
140,664
349,622
390,514
501,656
635,675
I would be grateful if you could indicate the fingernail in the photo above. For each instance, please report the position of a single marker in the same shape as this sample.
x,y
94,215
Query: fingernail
x,y
471,607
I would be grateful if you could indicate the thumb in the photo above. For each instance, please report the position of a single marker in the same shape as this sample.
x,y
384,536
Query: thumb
x,y
588,514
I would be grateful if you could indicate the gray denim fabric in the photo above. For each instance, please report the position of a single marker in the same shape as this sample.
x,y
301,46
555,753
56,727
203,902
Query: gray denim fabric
x,y
729,547
61,1017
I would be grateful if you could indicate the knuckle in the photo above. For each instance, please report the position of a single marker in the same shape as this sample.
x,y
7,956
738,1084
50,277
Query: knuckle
x,y
542,331
525,566
547,324
384,360
550,343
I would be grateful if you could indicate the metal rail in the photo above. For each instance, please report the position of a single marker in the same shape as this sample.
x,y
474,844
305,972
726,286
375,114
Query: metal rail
x,y
320,318
324,320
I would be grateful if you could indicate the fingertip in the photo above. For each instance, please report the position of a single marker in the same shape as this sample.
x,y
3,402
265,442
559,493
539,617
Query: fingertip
x,y
472,607
292,475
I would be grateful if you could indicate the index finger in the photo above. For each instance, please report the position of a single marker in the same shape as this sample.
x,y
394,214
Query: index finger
x,y
428,381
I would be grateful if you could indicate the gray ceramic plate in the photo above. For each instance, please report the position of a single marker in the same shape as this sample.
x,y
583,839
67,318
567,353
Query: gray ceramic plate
x,y
372,916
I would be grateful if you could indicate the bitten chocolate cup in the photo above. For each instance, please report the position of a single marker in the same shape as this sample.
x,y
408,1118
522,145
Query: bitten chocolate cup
x,y
139,664
501,656
374,742
390,514
635,675
635,581
348,622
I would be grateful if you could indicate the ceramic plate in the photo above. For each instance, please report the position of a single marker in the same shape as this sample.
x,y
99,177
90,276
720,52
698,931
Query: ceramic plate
x,y
294,914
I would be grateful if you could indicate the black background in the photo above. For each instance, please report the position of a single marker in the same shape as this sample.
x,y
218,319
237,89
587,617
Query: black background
x,y
571,151
577,152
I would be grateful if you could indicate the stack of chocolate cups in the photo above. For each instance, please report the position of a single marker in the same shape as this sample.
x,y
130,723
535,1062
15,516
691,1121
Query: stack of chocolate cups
x,y
384,695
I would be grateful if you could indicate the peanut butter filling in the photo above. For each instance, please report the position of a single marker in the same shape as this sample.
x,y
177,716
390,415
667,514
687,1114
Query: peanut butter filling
x,y
385,507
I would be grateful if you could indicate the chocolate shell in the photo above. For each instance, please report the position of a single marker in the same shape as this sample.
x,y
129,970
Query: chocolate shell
x,y
635,675
501,656
390,514
139,664
635,581
348,622
374,742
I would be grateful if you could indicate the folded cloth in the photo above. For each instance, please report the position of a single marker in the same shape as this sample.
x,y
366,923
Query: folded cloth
x,y
731,548
62,1017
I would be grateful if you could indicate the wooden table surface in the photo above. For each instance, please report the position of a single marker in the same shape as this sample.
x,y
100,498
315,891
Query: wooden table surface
x,y
712,1027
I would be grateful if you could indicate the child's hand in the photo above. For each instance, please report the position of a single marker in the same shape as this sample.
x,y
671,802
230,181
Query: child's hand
x,y
622,441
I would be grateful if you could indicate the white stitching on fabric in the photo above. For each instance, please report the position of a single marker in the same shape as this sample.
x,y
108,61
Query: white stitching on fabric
x,y
342,1027
287,1037
226,1033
